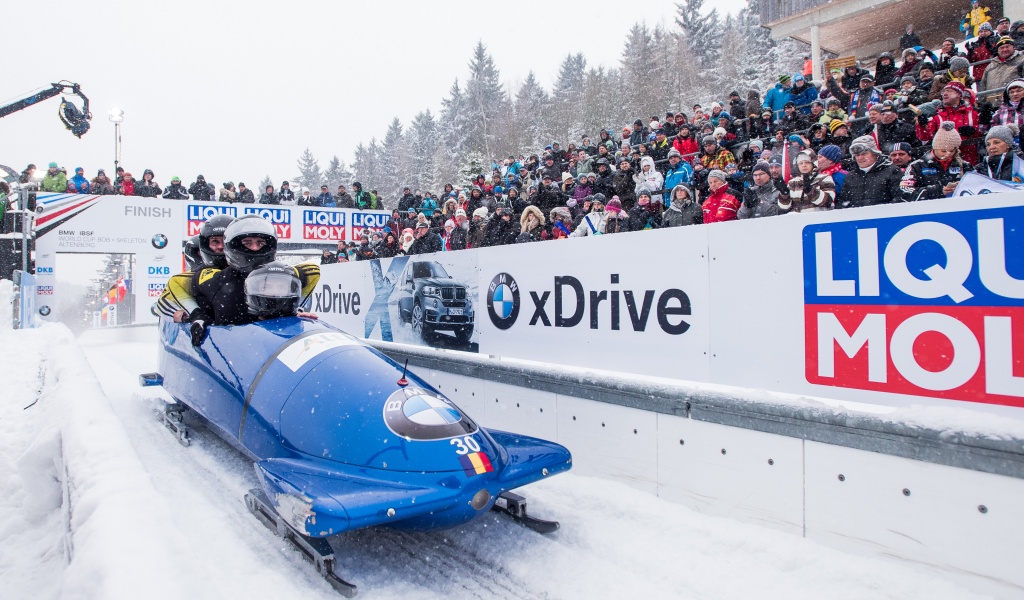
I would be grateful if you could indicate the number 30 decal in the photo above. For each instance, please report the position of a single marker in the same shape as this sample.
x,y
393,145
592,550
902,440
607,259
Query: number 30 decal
x,y
465,445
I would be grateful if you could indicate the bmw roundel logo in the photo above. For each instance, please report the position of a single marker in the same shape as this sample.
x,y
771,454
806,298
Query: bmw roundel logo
x,y
503,300
417,414
159,241
44,310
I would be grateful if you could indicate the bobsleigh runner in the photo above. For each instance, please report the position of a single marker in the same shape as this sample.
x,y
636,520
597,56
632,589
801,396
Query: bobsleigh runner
x,y
341,436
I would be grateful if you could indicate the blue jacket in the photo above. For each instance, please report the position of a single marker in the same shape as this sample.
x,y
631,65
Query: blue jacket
x,y
803,98
682,173
325,199
81,184
776,99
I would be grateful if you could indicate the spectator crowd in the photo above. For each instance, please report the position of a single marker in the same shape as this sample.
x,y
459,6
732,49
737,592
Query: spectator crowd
x,y
908,130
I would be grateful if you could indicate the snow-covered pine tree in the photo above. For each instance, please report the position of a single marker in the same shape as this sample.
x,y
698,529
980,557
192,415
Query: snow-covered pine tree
x,y
527,127
640,72
474,165
565,115
263,186
309,175
485,100
422,140
701,31
394,161
336,174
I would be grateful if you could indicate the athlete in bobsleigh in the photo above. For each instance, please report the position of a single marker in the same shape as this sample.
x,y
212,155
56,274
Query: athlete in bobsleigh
x,y
341,436
231,249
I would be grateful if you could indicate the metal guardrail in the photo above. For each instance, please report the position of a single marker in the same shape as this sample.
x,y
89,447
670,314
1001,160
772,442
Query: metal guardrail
x,y
800,419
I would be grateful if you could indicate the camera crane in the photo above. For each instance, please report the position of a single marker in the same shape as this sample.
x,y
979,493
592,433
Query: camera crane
x,y
74,119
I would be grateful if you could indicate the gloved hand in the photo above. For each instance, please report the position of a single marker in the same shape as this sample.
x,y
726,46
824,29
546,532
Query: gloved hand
x,y
966,131
922,120
985,111
198,332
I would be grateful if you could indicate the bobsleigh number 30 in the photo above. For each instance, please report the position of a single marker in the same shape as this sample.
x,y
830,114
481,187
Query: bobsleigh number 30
x,y
341,436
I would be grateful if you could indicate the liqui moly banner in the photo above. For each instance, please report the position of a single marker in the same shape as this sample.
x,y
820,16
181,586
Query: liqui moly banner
x,y
889,305
920,306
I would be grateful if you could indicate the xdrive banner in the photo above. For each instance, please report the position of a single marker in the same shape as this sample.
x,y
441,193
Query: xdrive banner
x,y
894,305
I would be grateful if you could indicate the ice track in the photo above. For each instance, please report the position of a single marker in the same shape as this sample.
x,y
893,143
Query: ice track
x,y
615,542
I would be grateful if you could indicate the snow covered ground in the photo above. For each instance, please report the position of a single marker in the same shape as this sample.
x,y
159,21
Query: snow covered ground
x,y
145,517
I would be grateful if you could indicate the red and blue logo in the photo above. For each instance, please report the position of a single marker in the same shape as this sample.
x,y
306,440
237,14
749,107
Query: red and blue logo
x,y
280,217
929,305
326,225
200,213
369,222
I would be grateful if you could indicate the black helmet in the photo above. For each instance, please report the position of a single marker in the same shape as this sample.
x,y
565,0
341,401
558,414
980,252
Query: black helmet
x,y
214,226
242,258
273,290
191,251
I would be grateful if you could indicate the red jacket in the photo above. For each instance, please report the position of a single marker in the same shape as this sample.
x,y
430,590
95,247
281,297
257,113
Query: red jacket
x,y
720,206
962,116
687,146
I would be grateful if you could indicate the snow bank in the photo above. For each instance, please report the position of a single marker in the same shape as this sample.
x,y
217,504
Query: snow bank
x,y
82,513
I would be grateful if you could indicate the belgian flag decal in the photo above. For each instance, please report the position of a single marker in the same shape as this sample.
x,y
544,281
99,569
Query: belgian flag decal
x,y
475,463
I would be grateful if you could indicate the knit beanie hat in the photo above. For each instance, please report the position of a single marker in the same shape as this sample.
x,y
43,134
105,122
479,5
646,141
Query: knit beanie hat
x,y
831,152
834,125
1002,132
784,78
907,78
762,166
718,173
946,138
614,205
958,63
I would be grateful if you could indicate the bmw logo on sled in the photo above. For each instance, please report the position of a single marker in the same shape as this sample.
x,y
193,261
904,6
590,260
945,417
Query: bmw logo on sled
x,y
341,436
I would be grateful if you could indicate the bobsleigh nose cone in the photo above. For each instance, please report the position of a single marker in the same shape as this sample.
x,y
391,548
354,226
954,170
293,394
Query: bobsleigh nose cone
x,y
480,499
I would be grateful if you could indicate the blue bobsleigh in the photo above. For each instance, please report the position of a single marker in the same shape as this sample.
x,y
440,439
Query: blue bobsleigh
x,y
341,436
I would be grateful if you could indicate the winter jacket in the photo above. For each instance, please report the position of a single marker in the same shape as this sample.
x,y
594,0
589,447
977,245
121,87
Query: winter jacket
x,y
688,147
592,224
850,82
720,206
909,40
325,199
682,212
500,232
286,196
245,196
682,173
344,201
759,201
926,177
147,189
616,222
775,100
430,242
1005,167
127,187
999,73
269,198
809,192
966,120
803,97
201,191
625,188
857,101
406,202
651,180
942,79
897,131
226,195
175,191
885,74
81,184
880,184
645,217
